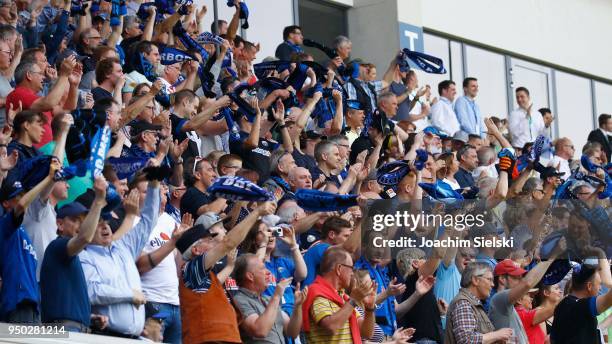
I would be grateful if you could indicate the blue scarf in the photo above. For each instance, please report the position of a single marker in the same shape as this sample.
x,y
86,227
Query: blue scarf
x,y
427,63
315,200
126,167
442,192
99,148
238,189
209,38
144,67
170,56
262,69
390,174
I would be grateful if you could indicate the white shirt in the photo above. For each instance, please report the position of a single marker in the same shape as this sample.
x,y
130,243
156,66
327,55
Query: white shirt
x,y
161,283
489,171
524,128
443,117
39,221
563,166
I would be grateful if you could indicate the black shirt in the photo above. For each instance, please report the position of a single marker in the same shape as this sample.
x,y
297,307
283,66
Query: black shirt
x,y
575,321
257,159
424,316
99,93
193,199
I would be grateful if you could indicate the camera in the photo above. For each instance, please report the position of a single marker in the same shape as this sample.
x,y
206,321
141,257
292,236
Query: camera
x,y
277,231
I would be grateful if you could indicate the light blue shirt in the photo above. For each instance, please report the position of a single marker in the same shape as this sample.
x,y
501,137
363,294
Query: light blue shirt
x,y
469,116
112,276
448,282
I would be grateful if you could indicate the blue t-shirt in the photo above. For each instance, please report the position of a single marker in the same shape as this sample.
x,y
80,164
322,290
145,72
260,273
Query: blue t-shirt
x,y
18,264
62,285
448,282
313,258
281,268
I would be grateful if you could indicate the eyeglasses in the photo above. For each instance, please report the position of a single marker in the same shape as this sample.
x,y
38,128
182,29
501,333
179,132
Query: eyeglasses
x,y
347,266
490,279
10,53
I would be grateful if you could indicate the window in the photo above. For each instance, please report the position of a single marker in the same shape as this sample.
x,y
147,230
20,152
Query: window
x,y
321,22
574,108
437,47
457,63
603,98
490,70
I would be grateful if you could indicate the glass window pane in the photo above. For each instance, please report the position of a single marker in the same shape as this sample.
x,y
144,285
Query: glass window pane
x,y
490,70
437,47
574,108
603,98
457,62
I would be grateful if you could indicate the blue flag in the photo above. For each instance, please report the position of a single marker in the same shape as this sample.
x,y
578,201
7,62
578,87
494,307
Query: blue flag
x,y
99,148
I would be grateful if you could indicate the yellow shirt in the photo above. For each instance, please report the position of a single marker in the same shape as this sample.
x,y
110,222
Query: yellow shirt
x,y
320,309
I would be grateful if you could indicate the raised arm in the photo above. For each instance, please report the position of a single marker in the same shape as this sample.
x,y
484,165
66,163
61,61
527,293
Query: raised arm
x,y
279,117
28,198
131,207
232,28
200,119
535,274
259,325
252,140
237,235
300,266
336,125
390,73
57,91
149,261
303,118
88,227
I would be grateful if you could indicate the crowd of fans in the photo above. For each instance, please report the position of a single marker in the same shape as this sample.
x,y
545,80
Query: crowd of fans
x,y
158,183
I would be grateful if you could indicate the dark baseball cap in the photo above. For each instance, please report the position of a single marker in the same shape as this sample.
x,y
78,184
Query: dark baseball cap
x,y
192,235
137,127
71,209
313,135
10,190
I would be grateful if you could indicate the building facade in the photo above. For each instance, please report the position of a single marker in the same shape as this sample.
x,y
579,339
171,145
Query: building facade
x,y
555,48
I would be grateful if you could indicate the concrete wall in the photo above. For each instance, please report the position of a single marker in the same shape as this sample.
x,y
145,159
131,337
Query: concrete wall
x,y
569,33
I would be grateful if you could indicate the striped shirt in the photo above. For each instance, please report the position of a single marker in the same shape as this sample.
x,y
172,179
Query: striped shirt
x,y
320,309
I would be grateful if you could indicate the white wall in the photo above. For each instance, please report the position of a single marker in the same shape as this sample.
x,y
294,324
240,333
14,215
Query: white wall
x,y
569,33
266,19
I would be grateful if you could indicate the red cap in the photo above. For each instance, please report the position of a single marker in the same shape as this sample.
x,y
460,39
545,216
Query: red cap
x,y
508,267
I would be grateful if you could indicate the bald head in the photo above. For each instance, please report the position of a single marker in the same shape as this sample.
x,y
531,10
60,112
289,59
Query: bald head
x,y
300,178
